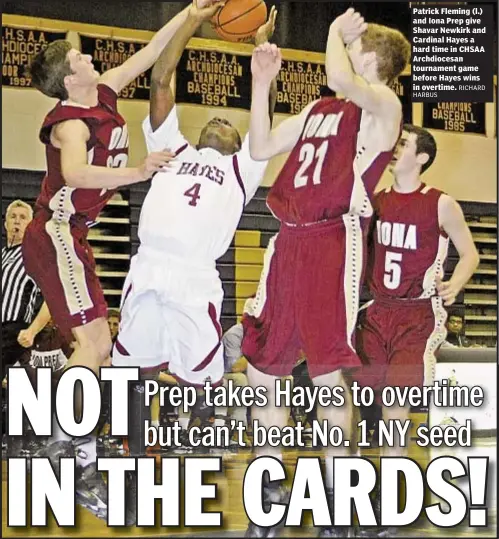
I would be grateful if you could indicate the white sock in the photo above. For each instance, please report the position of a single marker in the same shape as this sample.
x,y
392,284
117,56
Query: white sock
x,y
329,472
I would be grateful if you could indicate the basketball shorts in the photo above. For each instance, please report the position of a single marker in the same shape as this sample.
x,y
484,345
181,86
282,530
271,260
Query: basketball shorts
x,y
170,314
307,299
397,342
58,257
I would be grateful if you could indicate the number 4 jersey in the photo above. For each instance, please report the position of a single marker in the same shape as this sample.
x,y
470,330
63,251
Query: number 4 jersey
x,y
193,208
409,247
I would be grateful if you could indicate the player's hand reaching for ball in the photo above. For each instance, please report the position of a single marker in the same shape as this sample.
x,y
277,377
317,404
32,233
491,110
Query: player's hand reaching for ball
x,y
266,31
266,62
155,162
204,10
447,290
351,25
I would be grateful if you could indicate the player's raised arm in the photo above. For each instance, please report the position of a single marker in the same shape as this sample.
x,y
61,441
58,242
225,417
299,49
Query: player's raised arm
x,y
263,34
362,73
141,61
71,138
162,99
452,221
264,141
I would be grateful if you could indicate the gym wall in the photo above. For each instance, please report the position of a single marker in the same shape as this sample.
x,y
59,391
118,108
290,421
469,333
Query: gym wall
x,y
465,166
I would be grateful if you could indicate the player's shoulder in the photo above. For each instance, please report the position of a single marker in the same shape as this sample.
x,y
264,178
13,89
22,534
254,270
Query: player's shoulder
x,y
107,97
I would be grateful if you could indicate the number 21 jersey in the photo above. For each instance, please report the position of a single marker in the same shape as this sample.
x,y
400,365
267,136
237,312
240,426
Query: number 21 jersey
x,y
333,169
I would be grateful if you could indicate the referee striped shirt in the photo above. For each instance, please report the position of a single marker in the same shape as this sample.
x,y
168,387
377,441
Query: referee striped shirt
x,y
20,295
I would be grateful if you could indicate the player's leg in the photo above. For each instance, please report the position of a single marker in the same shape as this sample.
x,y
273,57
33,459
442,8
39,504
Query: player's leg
x,y
272,347
196,357
76,302
327,307
372,338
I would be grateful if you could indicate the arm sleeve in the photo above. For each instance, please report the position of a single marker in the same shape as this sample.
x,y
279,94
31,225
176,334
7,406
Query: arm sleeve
x,y
249,171
166,136
232,342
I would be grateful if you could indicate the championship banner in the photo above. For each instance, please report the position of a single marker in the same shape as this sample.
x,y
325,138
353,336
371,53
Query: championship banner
x,y
299,83
402,87
455,117
212,78
108,53
19,46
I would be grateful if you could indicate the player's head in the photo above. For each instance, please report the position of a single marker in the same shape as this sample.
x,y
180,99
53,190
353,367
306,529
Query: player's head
x,y
220,135
113,320
380,53
17,218
416,151
59,70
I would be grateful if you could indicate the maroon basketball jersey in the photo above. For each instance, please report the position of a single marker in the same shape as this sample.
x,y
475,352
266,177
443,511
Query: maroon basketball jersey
x,y
107,147
409,247
332,170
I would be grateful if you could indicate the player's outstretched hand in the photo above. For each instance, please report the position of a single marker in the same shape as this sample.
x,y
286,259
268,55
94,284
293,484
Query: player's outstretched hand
x,y
155,162
266,31
447,291
351,25
266,62
204,10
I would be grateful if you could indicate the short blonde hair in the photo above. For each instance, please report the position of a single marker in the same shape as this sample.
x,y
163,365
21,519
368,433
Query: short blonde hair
x,y
393,50
19,204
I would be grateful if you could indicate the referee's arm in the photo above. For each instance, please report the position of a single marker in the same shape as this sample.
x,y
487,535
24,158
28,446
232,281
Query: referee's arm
x,y
27,336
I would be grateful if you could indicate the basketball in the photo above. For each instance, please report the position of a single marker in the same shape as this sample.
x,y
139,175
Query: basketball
x,y
239,20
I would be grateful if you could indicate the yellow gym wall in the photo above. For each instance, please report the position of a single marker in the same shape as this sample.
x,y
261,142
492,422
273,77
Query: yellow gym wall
x,y
465,165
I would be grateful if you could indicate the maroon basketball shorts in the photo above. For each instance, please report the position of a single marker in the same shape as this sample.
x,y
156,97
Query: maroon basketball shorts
x,y
397,341
307,300
59,259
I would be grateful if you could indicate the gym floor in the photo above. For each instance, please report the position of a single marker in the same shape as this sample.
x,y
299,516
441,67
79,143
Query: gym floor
x,y
235,520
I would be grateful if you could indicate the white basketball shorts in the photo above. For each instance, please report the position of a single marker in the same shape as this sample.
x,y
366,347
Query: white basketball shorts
x,y
170,318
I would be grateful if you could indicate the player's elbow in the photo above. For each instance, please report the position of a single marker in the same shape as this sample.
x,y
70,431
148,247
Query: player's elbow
x,y
339,81
74,176
474,257
162,78
259,152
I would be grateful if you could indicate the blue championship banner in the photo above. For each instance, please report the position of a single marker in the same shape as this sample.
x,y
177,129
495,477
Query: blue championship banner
x,y
402,87
455,117
19,46
216,79
108,53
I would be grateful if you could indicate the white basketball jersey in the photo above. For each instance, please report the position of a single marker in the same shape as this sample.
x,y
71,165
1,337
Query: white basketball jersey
x,y
192,210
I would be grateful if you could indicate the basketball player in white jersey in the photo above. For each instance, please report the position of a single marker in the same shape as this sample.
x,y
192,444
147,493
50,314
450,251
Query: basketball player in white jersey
x,y
172,297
